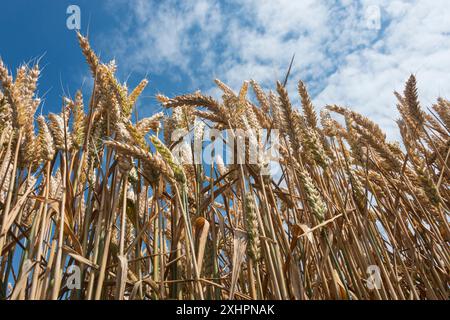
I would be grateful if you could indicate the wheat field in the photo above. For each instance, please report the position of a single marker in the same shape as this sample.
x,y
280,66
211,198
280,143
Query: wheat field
x,y
95,205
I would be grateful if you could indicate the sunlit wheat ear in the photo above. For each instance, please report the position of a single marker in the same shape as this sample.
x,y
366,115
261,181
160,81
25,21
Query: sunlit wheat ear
x,y
442,107
168,157
61,137
45,140
134,95
120,92
360,120
91,57
315,202
261,96
29,212
6,81
287,120
30,84
154,163
150,123
29,147
5,113
128,149
312,145
225,88
428,186
138,137
412,101
308,108
275,110
79,121
392,161
251,224
315,147
358,191
193,100
330,127
5,78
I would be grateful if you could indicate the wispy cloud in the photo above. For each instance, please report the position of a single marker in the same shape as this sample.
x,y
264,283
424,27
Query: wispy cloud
x,y
342,59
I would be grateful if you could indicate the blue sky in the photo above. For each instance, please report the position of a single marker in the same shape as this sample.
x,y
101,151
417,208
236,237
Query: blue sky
x,y
37,29
342,52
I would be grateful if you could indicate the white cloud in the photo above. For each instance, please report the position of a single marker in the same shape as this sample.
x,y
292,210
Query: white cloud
x,y
343,60
158,35
417,40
